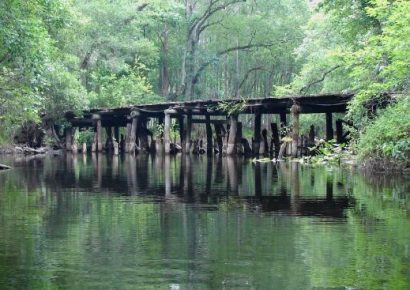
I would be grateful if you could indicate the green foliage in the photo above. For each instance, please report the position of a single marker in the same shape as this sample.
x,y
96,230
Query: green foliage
x,y
58,56
84,136
112,90
231,108
388,136
328,153
158,130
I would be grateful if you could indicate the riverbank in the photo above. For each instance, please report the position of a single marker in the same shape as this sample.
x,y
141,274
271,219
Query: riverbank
x,y
16,149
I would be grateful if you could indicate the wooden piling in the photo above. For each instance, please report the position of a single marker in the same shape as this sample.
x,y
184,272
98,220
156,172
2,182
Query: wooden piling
x,y
142,133
339,132
68,138
116,150
94,144
256,133
231,148
117,134
130,145
311,140
109,144
167,131
188,128
275,138
295,111
182,132
98,133
329,126
209,147
264,146
218,133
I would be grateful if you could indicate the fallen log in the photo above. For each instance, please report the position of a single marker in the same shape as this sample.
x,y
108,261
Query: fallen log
x,y
31,151
4,167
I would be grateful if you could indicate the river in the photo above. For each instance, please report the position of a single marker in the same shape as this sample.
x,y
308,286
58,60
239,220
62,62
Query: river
x,y
144,222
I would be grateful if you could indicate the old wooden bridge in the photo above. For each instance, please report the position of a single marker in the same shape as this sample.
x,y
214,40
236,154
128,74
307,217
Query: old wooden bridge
x,y
221,119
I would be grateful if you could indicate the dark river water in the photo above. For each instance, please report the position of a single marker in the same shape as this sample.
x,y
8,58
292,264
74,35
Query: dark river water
x,y
98,222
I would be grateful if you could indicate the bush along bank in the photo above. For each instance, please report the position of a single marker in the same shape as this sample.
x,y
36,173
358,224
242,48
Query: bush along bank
x,y
384,145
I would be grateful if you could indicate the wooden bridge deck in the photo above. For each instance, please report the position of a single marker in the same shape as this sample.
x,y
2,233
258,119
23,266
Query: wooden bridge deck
x,y
135,117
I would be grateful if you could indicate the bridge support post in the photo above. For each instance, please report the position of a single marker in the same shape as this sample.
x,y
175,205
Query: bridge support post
x,y
256,144
68,138
98,144
187,134
167,131
218,133
142,133
117,134
311,141
239,146
109,144
283,123
231,148
329,126
130,143
182,132
295,111
209,147
339,132
275,138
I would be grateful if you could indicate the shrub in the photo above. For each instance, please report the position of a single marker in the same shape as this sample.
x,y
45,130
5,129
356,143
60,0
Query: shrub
x,y
388,136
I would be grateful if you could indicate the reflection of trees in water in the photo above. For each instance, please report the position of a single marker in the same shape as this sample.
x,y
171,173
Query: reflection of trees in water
x,y
70,236
197,179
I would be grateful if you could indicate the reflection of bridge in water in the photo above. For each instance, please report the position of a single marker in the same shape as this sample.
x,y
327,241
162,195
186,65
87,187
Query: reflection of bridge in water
x,y
285,189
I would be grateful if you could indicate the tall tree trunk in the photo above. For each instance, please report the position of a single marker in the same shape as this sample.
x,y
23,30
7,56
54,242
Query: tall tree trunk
x,y
226,77
164,67
238,73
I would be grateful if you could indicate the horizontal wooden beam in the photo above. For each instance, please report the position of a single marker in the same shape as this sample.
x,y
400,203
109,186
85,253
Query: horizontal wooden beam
x,y
203,121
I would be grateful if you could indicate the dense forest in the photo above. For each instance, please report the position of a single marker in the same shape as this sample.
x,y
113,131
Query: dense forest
x,y
72,55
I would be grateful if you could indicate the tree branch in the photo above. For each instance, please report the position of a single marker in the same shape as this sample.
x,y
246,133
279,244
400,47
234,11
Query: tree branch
x,y
306,88
209,11
248,73
139,9
221,53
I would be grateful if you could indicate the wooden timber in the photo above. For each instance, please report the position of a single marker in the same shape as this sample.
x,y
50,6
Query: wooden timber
x,y
207,112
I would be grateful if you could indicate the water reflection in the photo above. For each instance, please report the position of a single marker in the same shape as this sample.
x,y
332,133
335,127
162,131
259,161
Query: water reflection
x,y
131,222
266,187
